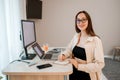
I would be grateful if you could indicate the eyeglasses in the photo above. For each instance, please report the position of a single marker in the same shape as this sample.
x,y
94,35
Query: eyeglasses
x,y
82,20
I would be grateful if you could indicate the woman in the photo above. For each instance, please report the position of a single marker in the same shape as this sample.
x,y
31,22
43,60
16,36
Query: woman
x,y
85,50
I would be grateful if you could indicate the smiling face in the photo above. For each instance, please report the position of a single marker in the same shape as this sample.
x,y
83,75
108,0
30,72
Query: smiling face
x,y
82,22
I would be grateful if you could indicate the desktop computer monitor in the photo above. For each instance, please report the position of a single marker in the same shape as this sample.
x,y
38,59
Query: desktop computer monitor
x,y
29,36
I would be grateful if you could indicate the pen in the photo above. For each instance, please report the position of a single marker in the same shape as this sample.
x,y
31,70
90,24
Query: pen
x,y
73,56
32,64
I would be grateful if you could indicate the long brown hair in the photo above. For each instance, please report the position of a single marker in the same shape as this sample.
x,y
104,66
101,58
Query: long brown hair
x,y
89,29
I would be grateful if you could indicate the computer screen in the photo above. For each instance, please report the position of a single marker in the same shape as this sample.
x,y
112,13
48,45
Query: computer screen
x,y
29,36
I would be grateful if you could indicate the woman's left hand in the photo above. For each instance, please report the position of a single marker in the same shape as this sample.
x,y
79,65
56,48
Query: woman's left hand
x,y
74,62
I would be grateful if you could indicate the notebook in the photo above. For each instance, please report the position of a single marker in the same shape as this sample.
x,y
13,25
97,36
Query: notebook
x,y
42,55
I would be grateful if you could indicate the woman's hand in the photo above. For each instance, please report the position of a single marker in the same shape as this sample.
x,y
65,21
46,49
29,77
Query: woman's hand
x,y
61,57
81,61
74,62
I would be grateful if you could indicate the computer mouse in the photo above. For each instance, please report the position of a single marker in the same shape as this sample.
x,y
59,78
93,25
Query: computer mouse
x,y
56,50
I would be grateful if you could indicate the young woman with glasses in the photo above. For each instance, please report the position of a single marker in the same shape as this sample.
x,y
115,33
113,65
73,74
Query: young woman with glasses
x,y
85,50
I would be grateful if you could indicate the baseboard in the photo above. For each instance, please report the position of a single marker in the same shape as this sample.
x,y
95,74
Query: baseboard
x,y
111,57
108,56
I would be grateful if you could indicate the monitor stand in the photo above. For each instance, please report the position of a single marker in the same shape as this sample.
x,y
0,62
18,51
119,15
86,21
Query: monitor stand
x,y
28,57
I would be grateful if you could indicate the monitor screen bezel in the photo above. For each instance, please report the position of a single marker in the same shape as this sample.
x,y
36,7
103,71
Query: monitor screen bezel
x,y
28,56
23,33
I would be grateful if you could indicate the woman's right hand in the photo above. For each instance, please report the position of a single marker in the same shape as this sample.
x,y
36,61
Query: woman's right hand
x,y
61,57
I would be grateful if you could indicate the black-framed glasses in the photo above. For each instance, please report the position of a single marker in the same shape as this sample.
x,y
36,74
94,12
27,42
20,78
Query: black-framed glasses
x,y
81,20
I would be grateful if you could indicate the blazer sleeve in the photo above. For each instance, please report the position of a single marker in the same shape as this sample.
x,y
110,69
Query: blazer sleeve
x,y
69,48
98,63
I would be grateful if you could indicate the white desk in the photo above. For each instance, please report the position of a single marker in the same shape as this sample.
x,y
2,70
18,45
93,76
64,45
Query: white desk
x,y
21,71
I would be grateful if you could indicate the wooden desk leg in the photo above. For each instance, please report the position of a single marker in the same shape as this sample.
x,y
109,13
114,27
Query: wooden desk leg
x,y
118,54
114,54
36,77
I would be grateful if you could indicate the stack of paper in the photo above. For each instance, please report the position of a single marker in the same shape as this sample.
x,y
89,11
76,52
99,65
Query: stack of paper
x,y
61,62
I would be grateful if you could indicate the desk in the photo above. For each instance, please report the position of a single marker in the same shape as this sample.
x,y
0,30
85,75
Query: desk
x,y
21,71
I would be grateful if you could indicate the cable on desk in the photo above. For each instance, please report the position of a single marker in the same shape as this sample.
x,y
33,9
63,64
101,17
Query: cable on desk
x,y
20,61
24,61
21,53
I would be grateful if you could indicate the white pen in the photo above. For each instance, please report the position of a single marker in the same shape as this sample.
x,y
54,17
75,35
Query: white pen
x,y
31,64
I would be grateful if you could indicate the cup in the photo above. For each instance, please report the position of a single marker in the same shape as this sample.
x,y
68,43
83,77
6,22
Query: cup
x,y
45,47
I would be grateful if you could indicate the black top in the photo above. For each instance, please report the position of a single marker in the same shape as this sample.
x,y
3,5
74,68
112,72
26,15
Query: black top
x,y
80,53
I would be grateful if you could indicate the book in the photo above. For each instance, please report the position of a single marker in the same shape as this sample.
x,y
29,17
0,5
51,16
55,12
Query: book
x,y
61,62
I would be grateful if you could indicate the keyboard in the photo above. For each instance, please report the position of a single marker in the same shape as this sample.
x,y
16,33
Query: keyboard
x,y
48,56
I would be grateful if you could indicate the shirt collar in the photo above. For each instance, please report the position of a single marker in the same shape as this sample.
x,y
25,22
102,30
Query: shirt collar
x,y
89,39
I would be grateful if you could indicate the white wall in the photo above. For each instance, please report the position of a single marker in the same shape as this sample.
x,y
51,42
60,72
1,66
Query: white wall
x,y
57,24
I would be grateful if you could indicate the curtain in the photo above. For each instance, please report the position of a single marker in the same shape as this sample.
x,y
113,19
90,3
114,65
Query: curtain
x,y
11,13
3,39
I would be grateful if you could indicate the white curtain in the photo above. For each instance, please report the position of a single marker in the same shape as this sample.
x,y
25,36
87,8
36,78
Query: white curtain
x,y
3,39
11,13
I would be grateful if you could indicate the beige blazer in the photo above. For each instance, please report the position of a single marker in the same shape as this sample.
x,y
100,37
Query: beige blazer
x,y
94,55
